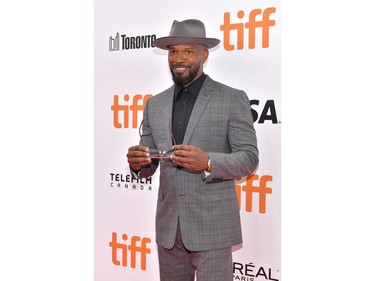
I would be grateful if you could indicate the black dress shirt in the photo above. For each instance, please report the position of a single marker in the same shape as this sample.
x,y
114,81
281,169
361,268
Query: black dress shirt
x,y
183,103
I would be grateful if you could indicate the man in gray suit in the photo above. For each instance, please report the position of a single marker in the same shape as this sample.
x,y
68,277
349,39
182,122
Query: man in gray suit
x,y
201,134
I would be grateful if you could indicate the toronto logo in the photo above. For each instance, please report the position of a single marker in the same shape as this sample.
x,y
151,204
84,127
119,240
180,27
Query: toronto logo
x,y
124,42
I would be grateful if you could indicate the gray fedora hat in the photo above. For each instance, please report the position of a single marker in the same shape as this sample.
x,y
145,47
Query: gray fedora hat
x,y
189,31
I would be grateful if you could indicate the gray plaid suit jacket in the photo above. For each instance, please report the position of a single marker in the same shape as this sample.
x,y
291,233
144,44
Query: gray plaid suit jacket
x,y
221,124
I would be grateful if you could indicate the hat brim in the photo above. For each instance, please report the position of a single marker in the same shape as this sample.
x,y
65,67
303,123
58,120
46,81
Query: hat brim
x,y
165,42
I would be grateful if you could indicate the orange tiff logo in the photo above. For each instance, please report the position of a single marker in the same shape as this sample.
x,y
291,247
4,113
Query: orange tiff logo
x,y
250,188
253,23
122,251
121,110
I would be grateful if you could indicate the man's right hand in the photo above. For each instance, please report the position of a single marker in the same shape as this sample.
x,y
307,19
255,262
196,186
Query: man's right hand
x,y
138,156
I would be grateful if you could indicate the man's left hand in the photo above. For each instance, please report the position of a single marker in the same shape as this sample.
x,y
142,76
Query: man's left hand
x,y
190,157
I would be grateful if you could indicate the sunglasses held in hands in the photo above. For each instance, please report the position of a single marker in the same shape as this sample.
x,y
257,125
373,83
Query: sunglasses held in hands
x,y
155,153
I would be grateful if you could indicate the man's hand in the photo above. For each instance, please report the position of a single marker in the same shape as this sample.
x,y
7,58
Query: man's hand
x,y
138,156
190,157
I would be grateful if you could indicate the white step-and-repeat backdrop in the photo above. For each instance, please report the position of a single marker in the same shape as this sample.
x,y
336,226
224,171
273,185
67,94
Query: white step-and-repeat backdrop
x,y
129,70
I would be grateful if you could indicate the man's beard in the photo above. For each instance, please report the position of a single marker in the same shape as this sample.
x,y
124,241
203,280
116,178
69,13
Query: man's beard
x,y
184,80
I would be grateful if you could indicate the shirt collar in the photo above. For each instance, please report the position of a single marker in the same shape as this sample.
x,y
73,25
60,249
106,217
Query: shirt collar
x,y
193,88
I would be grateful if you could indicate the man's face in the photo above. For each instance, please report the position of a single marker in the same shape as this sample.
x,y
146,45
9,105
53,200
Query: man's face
x,y
186,62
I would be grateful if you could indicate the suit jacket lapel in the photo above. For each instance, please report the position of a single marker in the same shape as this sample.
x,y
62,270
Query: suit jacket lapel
x,y
167,115
199,106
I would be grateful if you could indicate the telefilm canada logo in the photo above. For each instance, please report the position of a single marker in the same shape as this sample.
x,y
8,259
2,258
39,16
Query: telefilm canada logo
x,y
123,42
128,182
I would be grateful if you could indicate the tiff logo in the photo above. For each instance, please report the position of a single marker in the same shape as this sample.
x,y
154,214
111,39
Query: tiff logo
x,y
251,25
250,188
120,251
121,111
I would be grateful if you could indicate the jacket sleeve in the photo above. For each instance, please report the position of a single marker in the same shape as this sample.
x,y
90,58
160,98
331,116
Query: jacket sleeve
x,y
244,156
146,139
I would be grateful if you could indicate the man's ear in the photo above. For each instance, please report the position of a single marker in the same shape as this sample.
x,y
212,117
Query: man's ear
x,y
205,55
